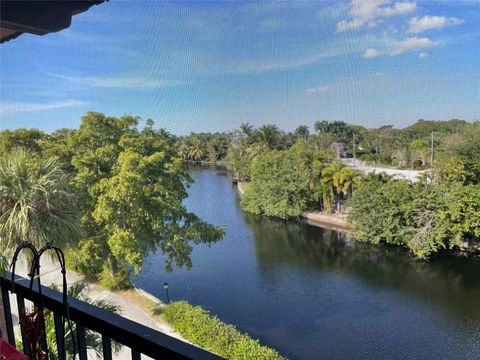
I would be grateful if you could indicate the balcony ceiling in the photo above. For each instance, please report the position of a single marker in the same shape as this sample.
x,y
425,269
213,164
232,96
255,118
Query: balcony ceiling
x,y
38,17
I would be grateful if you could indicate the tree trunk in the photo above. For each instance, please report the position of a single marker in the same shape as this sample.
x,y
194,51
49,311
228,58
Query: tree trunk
x,y
112,264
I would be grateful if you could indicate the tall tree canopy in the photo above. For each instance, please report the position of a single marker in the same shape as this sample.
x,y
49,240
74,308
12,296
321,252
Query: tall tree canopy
x,y
130,184
29,139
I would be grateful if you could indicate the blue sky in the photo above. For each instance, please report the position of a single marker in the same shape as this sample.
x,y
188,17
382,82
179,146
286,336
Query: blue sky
x,y
209,66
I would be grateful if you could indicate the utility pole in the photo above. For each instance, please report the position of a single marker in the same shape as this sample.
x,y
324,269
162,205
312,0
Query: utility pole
x,y
431,154
353,149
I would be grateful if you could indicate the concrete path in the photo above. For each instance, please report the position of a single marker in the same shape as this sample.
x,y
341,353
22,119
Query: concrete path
x,y
412,175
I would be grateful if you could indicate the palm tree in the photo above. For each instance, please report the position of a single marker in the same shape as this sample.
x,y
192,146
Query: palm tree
x,y
183,151
195,150
246,128
330,179
35,202
340,181
347,180
405,157
256,149
302,132
267,135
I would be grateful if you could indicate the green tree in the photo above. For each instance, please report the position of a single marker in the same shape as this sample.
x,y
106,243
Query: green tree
x,y
339,181
58,144
132,184
302,132
423,217
267,136
380,210
196,149
465,146
36,204
246,128
280,185
29,139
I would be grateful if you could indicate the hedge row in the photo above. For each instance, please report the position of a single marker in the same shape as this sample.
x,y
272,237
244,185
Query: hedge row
x,y
206,331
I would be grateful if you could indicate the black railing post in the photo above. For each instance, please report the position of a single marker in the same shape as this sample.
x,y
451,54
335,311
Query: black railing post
x,y
3,322
82,345
112,327
21,312
60,335
107,347
7,313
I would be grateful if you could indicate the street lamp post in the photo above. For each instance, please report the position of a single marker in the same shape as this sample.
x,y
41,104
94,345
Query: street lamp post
x,y
165,287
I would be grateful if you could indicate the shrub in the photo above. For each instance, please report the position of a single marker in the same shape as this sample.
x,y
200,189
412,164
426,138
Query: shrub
x,y
118,281
86,258
209,332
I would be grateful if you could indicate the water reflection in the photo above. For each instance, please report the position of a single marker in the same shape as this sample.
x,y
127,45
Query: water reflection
x,y
453,283
309,291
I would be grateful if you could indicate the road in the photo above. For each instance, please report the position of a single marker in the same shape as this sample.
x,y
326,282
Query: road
x,y
412,175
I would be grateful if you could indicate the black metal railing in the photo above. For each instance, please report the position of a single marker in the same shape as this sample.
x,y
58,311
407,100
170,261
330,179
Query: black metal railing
x,y
112,327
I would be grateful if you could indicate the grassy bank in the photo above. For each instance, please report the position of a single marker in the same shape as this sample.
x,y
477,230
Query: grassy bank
x,y
197,326
202,329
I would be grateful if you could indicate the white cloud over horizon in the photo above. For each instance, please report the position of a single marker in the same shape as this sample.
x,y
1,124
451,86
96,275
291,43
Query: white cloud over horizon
x,y
12,107
371,12
130,82
418,25
371,53
412,44
400,47
318,89
283,64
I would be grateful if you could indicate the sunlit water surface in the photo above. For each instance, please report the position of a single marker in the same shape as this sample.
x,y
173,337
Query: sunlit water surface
x,y
313,294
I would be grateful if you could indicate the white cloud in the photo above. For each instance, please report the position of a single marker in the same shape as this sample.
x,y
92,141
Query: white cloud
x,y
285,64
408,45
422,55
12,107
371,53
418,25
318,89
412,44
118,82
371,12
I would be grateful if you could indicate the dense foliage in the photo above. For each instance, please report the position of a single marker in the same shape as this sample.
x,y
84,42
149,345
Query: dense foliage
x,y
423,217
202,329
109,192
130,185
439,212
285,183
118,188
36,202
280,183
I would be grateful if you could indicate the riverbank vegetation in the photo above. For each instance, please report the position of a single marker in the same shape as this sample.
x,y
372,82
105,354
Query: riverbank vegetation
x,y
293,173
118,186
441,212
405,148
202,329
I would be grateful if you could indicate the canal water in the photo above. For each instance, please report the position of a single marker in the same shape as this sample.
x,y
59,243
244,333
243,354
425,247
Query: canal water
x,y
312,293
